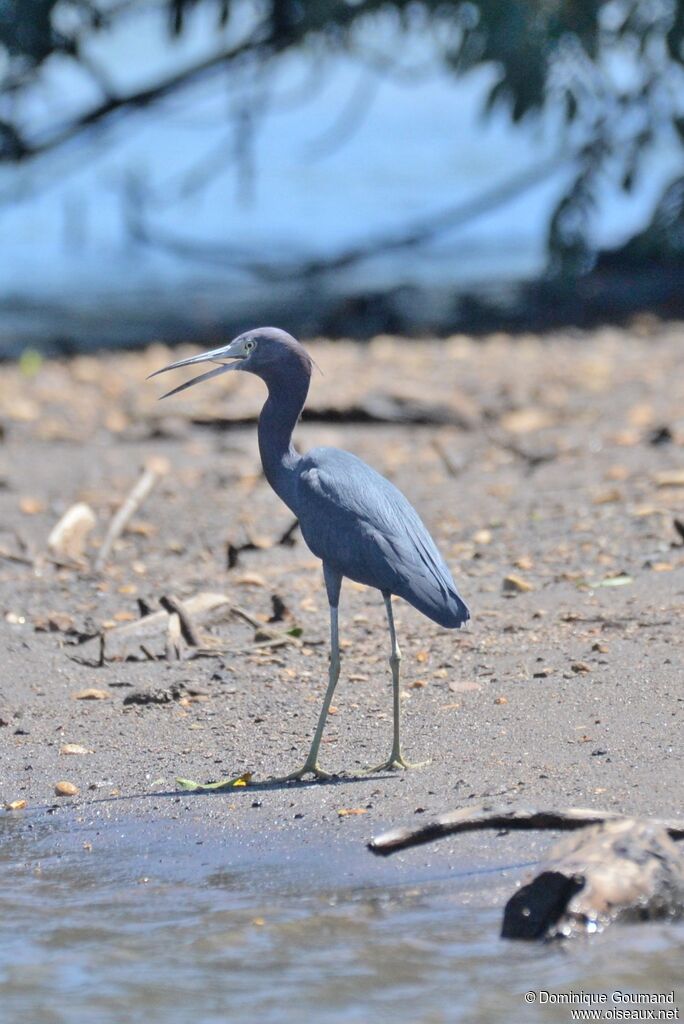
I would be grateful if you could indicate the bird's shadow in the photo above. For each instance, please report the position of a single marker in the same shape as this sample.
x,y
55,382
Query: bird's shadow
x,y
274,785
267,785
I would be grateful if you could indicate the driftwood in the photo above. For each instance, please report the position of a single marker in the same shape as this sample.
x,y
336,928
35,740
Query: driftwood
x,y
627,870
162,633
473,819
174,632
154,470
614,869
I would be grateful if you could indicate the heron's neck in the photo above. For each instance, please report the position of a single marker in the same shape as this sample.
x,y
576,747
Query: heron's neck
x,y
276,424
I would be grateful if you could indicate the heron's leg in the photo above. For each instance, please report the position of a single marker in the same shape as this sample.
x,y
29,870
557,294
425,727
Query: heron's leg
x,y
311,766
395,759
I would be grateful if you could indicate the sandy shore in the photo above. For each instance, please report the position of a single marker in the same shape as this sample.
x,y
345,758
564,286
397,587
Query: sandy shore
x,y
558,461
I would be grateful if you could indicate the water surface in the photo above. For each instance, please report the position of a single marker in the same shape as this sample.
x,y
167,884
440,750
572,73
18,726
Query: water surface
x,y
110,922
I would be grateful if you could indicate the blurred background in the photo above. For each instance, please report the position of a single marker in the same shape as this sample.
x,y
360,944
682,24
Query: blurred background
x,y
181,169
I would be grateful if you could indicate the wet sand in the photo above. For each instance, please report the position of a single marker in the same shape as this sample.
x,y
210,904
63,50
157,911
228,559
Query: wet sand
x,y
555,460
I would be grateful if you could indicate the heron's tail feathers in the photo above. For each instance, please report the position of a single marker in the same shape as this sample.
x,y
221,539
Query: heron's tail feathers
x,y
444,606
453,614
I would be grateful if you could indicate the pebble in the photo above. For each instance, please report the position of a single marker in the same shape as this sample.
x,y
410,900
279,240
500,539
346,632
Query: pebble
x,y
65,789
74,748
515,584
15,805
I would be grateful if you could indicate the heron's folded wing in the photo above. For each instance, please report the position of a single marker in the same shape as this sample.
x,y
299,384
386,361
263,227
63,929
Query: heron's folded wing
x,y
363,526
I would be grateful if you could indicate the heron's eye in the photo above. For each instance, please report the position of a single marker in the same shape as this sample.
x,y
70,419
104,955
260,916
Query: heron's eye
x,y
249,345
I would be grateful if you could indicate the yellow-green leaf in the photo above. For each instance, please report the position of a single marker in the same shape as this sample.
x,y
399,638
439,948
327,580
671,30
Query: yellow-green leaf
x,y
198,787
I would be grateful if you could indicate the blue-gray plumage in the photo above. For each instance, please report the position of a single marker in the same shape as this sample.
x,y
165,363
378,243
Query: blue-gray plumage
x,y
357,522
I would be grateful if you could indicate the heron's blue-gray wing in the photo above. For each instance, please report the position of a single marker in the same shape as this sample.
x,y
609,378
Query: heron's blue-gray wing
x,y
363,526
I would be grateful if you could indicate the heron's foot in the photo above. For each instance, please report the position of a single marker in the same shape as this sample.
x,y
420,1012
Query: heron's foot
x,y
307,769
395,763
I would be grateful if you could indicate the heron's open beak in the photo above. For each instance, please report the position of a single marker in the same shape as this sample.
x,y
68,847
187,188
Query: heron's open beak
x,y
216,355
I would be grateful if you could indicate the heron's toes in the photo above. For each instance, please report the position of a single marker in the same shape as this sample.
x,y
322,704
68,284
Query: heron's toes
x,y
307,769
394,764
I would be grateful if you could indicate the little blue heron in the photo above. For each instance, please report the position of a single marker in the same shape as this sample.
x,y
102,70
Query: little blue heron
x,y
352,518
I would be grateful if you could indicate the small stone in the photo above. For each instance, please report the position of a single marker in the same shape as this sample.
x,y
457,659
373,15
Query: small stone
x,y
670,478
31,506
15,805
74,748
501,700
600,648
515,584
526,420
463,686
65,789
580,666
251,579
608,497
53,622
91,694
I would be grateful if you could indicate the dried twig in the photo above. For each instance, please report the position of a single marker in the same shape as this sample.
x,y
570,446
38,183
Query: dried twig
x,y
241,613
174,640
451,465
189,629
10,556
532,459
155,469
287,538
253,543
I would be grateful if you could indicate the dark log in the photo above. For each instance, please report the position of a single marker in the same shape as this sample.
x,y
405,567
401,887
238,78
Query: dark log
x,y
627,870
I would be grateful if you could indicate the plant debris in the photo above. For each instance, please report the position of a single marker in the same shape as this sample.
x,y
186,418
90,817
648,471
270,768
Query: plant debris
x,y
211,787
154,470
68,537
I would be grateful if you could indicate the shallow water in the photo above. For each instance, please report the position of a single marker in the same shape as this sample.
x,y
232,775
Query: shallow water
x,y
163,923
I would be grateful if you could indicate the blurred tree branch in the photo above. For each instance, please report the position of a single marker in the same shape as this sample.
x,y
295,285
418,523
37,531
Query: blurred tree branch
x,y
555,59
411,236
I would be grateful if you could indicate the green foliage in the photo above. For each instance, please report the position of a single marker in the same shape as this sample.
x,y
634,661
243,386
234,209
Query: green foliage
x,y
179,9
26,30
